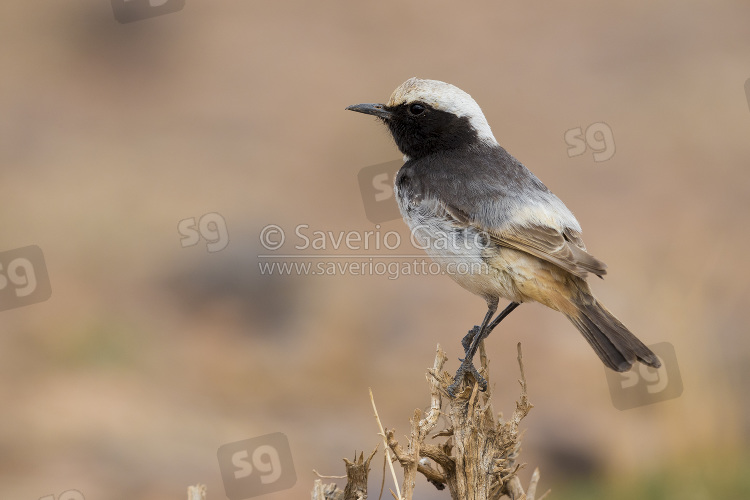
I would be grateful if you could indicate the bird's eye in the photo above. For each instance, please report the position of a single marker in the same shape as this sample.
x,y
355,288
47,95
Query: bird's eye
x,y
416,109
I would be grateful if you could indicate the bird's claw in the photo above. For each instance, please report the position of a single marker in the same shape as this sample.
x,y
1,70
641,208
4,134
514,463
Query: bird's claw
x,y
466,367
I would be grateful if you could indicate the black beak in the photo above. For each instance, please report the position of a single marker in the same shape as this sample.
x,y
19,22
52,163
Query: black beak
x,y
378,110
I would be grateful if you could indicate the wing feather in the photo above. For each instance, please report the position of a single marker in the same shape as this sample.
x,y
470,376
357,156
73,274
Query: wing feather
x,y
564,249
494,193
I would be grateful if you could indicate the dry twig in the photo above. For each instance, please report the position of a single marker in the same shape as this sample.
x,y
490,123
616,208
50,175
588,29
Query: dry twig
x,y
197,492
477,460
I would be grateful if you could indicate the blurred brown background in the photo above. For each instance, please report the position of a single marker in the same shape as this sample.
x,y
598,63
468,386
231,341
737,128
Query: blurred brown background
x,y
149,356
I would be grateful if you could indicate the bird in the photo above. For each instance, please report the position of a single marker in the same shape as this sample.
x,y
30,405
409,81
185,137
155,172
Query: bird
x,y
468,201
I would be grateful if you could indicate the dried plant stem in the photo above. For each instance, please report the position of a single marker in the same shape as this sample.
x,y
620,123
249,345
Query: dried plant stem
x,y
478,456
387,454
197,492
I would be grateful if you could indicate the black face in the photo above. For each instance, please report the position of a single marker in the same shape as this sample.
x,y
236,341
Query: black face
x,y
419,129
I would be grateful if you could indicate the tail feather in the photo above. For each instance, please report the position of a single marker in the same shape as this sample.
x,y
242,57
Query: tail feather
x,y
612,341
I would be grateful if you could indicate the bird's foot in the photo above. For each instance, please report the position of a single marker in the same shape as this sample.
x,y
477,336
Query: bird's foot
x,y
467,367
466,341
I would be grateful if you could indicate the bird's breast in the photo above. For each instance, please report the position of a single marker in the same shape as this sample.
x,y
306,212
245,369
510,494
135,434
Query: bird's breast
x,y
463,252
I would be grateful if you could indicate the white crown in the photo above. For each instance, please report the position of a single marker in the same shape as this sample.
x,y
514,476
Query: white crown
x,y
445,97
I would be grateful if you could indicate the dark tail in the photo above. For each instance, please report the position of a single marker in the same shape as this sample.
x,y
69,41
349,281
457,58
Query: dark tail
x,y
612,341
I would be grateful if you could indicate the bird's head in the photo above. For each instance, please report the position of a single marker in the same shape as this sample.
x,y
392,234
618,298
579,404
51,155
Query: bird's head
x,y
426,116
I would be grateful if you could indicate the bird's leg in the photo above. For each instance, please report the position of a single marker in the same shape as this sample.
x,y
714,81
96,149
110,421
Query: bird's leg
x,y
509,309
466,341
467,364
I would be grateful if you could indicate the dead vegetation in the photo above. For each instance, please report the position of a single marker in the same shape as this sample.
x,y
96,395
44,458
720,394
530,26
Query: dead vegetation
x,y
475,455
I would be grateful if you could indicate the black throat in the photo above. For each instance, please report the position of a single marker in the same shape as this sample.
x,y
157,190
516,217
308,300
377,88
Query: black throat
x,y
429,132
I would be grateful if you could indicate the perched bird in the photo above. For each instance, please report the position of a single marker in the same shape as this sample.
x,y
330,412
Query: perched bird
x,y
469,202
